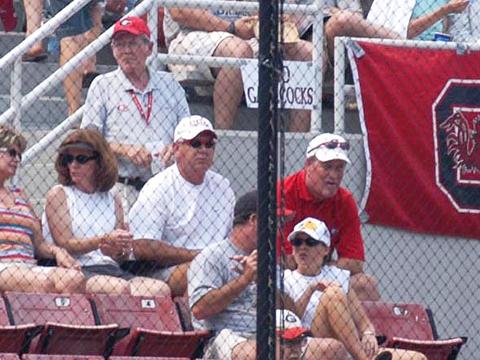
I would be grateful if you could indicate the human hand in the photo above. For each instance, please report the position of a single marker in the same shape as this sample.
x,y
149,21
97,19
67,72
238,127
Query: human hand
x,y
166,155
118,243
369,343
116,6
456,6
321,285
65,260
244,27
247,266
139,155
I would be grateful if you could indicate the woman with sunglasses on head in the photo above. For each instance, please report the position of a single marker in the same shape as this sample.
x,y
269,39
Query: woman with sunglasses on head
x,y
83,216
21,238
325,302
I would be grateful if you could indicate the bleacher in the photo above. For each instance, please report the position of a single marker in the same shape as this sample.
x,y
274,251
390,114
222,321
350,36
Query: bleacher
x,y
95,326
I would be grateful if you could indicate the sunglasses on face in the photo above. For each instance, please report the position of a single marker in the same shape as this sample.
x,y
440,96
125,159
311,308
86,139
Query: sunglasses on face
x,y
67,159
333,144
13,153
197,143
310,242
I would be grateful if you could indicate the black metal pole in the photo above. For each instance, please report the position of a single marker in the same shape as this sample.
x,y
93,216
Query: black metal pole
x,y
269,68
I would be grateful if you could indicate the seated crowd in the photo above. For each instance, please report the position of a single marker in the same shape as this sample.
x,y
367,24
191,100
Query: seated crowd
x,y
136,185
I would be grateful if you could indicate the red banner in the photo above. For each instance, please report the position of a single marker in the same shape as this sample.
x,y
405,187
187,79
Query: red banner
x,y
420,111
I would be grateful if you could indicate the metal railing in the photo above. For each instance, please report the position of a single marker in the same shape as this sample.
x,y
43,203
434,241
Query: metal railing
x,y
19,102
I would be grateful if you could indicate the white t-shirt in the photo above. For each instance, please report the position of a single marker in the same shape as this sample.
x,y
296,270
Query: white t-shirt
x,y
296,284
171,209
92,215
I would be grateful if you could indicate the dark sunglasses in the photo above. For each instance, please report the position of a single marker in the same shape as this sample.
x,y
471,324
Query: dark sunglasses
x,y
67,159
196,143
12,153
310,242
333,144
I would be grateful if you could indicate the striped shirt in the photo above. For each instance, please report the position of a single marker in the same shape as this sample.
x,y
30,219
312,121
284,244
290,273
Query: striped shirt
x,y
16,230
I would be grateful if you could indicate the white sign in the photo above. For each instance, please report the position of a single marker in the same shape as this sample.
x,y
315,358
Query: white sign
x,y
297,90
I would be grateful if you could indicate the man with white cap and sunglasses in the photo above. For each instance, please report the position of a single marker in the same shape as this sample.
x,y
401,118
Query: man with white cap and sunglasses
x,y
184,208
316,191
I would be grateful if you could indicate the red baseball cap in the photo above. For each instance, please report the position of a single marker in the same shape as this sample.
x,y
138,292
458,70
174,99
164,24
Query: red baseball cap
x,y
133,25
289,326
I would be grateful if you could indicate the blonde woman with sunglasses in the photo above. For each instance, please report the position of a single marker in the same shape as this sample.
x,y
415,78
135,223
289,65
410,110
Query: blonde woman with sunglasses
x,y
324,300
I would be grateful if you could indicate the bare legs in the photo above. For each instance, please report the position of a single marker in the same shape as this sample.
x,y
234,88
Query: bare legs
x,y
41,279
228,88
33,12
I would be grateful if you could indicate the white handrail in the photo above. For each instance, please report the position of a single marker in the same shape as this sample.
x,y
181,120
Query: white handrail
x,y
141,9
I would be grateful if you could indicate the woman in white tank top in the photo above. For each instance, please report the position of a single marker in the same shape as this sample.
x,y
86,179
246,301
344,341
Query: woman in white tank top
x,y
83,216
323,300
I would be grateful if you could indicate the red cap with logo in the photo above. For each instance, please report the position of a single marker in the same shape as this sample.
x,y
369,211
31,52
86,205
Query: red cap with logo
x,y
133,25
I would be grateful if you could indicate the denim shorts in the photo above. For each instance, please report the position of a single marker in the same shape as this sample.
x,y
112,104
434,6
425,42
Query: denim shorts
x,y
78,24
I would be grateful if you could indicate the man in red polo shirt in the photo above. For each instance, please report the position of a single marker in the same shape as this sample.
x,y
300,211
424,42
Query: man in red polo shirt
x,y
315,191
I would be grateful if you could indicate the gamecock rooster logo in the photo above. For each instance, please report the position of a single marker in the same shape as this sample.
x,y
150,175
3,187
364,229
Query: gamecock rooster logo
x,y
463,141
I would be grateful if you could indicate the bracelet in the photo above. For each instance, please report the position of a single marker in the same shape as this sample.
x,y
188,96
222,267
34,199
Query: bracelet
x,y
231,28
368,333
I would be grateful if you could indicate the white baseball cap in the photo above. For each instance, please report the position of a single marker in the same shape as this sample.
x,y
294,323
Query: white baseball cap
x,y
327,146
189,127
288,325
314,228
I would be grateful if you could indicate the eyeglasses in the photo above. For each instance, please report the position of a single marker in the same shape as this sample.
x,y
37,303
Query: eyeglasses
x,y
333,144
128,44
196,143
13,153
67,159
310,242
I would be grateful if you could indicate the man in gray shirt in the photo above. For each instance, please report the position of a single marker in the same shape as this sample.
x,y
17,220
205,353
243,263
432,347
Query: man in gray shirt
x,y
222,292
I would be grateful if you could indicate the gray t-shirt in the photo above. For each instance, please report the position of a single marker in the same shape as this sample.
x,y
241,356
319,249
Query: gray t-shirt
x,y
212,269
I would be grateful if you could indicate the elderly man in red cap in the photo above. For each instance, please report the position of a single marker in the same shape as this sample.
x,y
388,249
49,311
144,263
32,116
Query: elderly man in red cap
x,y
135,108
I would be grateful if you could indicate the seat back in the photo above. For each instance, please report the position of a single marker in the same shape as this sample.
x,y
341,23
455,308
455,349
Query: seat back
x,y
4,319
72,309
60,357
399,320
155,313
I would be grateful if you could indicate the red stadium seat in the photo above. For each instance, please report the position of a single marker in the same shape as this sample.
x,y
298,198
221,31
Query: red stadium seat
x,y
155,328
60,357
14,339
411,327
68,324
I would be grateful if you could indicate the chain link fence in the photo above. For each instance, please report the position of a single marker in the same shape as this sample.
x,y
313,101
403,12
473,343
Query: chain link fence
x,y
95,219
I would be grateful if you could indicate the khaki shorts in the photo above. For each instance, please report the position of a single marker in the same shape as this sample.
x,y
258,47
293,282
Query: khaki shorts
x,y
222,345
199,43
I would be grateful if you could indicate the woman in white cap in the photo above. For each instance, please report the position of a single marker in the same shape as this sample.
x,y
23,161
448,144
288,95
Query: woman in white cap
x,y
324,301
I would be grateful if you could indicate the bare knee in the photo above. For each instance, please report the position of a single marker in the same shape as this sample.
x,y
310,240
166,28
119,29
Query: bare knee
x,y
140,286
326,349
334,293
67,281
234,47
